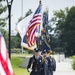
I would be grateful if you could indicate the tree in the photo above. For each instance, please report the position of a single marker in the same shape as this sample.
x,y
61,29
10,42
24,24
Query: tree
x,y
3,21
2,10
65,28
59,19
16,41
28,13
69,31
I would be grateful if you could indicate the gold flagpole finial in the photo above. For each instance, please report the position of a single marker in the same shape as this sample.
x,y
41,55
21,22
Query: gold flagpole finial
x,y
40,1
46,9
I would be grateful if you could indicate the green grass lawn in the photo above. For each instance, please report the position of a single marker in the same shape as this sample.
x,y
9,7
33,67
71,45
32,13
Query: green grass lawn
x,y
16,61
20,71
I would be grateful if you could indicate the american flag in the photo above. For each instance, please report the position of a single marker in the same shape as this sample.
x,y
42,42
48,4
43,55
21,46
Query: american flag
x,y
5,65
33,25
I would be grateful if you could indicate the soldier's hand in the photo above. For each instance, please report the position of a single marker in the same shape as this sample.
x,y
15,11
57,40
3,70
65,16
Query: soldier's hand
x,y
29,70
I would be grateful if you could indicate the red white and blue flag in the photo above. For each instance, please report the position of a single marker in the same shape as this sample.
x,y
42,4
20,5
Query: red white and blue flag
x,y
28,27
5,64
33,25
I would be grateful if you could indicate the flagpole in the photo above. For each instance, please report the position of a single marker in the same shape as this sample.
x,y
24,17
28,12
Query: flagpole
x,y
22,8
22,18
38,29
40,2
47,18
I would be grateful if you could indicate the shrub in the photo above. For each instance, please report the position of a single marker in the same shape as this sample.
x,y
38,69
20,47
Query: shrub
x,y
16,50
73,64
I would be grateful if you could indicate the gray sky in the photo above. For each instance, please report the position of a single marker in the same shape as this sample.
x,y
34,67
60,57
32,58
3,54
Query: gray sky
x,y
33,4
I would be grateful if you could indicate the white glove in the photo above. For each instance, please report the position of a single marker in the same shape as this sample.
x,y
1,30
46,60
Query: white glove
x,y
30,70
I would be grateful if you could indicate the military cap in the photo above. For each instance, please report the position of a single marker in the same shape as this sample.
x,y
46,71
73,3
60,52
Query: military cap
x,y
45,51
36,49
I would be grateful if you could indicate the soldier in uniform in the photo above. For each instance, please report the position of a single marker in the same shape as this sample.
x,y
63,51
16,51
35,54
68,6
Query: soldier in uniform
x,y
36,65
52,67
47,63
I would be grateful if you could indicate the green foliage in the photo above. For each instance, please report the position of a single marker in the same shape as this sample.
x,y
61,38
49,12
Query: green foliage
x,y
73,57
2,10
58,20
16,50
65,29
28,13
5,35
20,19
16,41
69,31
3,22
73,63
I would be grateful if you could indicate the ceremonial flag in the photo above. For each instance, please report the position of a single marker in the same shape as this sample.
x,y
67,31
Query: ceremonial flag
x,y
5,64
21,28
32,28
27,29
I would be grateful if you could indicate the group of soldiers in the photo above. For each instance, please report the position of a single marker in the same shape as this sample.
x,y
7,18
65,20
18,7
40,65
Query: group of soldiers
x,y
41,63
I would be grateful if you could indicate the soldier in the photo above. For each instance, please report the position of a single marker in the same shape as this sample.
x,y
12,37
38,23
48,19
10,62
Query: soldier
x,y
49,63
45,62
53,62
35,65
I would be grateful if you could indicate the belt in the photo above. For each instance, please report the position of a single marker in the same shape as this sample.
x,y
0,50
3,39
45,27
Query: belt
x,y
36,70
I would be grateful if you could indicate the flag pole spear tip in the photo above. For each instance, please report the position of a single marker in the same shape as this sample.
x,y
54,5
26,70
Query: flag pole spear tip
x,y
40,1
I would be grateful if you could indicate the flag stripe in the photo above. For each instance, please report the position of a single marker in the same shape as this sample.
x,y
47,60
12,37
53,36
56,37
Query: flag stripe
x,y
5,65
0,43
32,33
32,36
38,15
35,20
34,23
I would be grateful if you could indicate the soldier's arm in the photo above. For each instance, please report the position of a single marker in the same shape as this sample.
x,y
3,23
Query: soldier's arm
x,y
29,65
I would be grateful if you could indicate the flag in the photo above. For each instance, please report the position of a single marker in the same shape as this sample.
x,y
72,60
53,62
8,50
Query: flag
x,y
5,64
21,28
33,25
27,29
45,36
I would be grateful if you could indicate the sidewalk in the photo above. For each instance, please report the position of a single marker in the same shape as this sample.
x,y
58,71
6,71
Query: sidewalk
x,y
64,68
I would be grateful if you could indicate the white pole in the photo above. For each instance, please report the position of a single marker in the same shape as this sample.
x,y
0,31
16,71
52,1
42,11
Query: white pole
x,y
22,17
22,8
